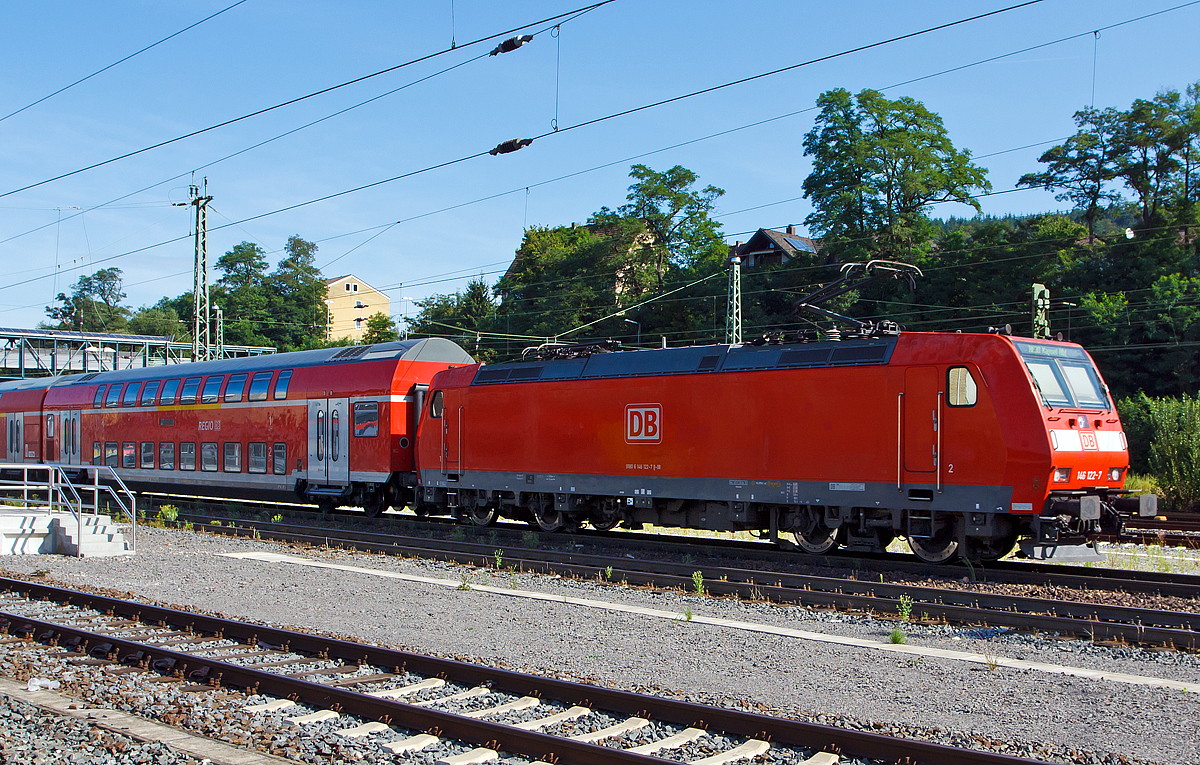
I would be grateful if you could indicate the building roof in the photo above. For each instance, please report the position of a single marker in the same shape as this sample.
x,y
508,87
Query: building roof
x,y
355,278
786,242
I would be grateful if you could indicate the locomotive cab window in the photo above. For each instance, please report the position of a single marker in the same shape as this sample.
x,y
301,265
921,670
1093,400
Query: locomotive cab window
x,y
1064,375
114,396
281,385
168,392
366,419
435,404
131,394
188,394
150,393
259,386
212,389
960,387
233,391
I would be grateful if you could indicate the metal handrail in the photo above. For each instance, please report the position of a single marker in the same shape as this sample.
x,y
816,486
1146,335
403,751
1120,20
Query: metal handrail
x,y
60,490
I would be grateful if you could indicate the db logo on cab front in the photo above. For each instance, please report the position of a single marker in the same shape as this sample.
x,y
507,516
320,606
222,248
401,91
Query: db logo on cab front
x,y
643,423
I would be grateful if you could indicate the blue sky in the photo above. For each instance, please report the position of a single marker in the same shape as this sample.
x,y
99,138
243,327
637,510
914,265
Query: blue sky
x,y
620,56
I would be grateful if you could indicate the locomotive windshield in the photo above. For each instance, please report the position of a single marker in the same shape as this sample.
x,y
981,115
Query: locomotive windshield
x,y
1064,375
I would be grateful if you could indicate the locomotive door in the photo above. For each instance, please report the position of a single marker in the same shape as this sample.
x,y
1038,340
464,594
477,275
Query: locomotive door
x,y
452,417
920,419
328,441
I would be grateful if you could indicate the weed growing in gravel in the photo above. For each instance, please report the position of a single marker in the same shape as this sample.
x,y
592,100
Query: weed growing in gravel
x,y
687,614
897,636
905,608
467,579
687,558
512,580
530,539
168,513
993,662
493,537
188,526
457,535
278,517
608,573
698,582
499,559
214,522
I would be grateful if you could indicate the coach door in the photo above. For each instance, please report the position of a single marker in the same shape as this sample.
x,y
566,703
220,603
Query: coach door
x,y
328,441
14,422
921,420
69,438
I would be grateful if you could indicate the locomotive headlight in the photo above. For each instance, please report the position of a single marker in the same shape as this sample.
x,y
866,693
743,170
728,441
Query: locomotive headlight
x,y
1062,475
1114,474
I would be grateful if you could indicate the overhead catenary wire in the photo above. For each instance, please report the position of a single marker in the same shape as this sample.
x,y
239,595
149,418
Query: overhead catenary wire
x,y
121,60
298,99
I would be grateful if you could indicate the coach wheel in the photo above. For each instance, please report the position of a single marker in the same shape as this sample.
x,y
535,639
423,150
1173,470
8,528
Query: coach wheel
x,y
989,550
940,548
604,524
483,516
325,505
375,505
545,516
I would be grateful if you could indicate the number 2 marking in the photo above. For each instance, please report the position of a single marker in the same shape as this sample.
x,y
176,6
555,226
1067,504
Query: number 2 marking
x,y
951,468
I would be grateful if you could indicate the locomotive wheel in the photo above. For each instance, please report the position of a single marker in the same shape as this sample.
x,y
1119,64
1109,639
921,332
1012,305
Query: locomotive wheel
x,y
483,516
604,524
940,548
990,550
817,540
546,517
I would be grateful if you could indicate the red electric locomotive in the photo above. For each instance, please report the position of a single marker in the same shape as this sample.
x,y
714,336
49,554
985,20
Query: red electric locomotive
x,y
331,426
963,443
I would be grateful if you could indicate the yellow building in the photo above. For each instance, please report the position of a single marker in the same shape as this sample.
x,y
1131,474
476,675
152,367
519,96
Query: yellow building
x,y
350,302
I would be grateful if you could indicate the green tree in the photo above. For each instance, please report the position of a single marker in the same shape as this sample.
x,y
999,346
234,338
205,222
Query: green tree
x,y
94,304
245,298
158,320
462,317
877,166
1149,139
296,298
380,329
1081,168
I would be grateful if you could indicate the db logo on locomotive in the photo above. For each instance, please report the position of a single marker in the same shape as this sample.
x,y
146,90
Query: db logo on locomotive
x,y
643,423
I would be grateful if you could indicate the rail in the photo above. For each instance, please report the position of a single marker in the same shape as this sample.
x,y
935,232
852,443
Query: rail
x,y
51,486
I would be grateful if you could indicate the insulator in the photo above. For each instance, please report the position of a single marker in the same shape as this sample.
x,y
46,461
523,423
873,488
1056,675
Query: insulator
x,y
510,44
511,145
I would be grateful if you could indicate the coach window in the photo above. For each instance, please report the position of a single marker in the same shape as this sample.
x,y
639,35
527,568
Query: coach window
x,y
320,434
366,419
114,396
281,385
212,389
49,426
188,394
147,455
170,387
258,458
435,404
166,455
960,387
149,393
131,394
187,455
259,386
233,391
233,457
128,454
95,452
335,434
98,401
110,453
279,463
208,456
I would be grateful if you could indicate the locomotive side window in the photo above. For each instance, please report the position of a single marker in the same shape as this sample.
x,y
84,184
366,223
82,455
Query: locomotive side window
x,y
208,456
187,456
233,391
281,385
366,419
212,389
233,457
128,454
258,458
147,455
166,456
960,387
435,404
149,393
259,386
279,466
98,401
168,393
131,394
110,453
114,396
188,394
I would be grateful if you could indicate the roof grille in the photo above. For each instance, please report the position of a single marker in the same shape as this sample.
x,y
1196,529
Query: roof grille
x,y
350,352
708,363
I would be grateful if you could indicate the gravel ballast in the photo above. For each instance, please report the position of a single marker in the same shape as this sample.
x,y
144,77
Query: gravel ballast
x,y
1040,714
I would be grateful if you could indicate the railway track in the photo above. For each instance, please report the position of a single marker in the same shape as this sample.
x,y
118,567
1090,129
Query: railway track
x,y
1099,622
412,702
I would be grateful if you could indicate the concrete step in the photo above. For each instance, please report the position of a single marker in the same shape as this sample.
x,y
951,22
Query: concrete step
x,y
25,532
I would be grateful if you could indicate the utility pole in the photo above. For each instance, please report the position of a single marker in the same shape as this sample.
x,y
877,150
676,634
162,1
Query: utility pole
x,y
201,309
220,351
1040,311
733,313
